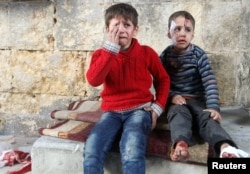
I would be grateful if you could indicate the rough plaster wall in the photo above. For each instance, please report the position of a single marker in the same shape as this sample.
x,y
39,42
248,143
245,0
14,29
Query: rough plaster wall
x,y
46,46
243,70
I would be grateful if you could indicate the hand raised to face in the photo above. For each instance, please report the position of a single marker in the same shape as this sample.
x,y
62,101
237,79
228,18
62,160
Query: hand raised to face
x,y
113,34
121,31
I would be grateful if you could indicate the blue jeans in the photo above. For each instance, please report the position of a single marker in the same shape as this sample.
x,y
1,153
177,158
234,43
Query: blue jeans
x,y
134,128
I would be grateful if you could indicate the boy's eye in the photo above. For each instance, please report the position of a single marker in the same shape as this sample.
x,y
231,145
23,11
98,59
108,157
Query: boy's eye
x,y
187,29
177,29
126,25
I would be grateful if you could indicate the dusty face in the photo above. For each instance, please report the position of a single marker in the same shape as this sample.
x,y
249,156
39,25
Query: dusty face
x,y
123,31
181,33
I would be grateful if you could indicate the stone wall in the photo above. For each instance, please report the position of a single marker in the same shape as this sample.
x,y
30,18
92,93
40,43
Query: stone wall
x,y
46,45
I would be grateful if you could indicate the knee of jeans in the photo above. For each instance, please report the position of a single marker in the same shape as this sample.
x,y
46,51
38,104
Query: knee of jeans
x,y
133,152
89,149
130,156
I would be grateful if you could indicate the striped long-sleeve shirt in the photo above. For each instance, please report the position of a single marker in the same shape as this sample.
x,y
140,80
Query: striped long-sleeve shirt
x,y
191,75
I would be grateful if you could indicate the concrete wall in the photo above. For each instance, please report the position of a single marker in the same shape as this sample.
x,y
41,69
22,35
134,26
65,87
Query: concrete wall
x,y
45,47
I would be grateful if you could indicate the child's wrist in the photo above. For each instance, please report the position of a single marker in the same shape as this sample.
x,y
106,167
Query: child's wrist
x,y
157,109
112,47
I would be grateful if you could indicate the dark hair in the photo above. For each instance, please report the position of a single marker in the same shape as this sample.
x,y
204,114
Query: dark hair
x,y
126,11
185,14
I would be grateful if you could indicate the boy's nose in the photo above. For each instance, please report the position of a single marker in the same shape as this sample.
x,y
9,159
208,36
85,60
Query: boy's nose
x,y
121,27
182,32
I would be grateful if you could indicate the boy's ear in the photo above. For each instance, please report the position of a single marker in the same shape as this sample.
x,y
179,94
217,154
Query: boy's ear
x,y
169,35
136,30
106,28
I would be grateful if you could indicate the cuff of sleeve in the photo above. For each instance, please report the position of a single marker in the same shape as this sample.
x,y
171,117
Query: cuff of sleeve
x,y
157,109
111,47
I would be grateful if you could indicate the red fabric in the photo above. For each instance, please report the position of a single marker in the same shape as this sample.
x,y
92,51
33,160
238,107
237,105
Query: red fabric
x,y
79,134
127,77
22,170
14,156
86,116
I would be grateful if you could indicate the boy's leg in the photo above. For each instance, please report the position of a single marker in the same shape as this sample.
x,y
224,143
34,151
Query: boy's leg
x,y
180,123
210,130
137,126
100,142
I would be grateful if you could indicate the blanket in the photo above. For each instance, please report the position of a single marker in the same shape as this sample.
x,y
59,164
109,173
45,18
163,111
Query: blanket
x,y
10,157
76,122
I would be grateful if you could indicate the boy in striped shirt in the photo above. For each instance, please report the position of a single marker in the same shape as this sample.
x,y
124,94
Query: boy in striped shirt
x,y
194,97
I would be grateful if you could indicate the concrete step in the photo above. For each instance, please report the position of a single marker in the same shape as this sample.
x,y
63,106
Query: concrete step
x,y
62,156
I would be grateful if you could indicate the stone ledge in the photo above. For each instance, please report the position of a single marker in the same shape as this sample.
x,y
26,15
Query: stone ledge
x,y
62,156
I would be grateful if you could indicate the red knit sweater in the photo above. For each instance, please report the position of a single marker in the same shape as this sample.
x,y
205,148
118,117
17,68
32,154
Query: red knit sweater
x,y
127,77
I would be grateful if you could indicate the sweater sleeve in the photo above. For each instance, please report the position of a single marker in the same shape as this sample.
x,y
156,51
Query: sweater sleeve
x,y
209,83
99,67
161,81
100,63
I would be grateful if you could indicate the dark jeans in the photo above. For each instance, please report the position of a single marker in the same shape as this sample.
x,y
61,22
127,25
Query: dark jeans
x,y
135,125
184,119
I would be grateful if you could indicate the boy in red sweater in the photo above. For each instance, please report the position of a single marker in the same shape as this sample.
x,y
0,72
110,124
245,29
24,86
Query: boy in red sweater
x,y
127,71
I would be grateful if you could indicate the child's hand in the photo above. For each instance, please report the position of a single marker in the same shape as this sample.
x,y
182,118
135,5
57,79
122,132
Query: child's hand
x,y
154,119
113,34
178,100
215,115
154,116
